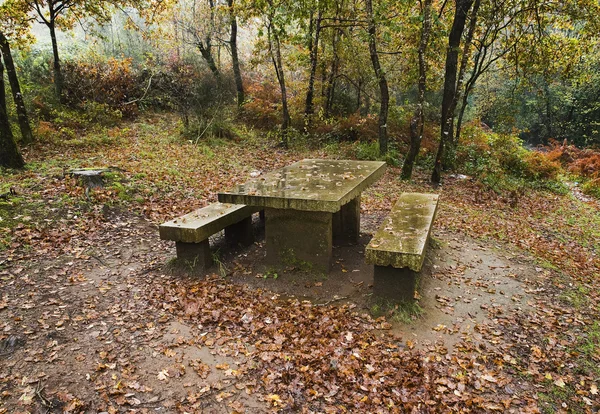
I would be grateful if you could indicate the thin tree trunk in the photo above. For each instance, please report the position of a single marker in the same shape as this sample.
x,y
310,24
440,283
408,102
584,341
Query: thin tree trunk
x,y
452,140
206,52
58,76
331,79
418,120
548,108
465,97
26,134
205,46
458,26
358,95
380,74
237,73
275,50
461,114
9,152
314,49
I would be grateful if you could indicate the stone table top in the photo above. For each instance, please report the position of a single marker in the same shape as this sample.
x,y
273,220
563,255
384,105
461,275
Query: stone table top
x,y
400,241
309,185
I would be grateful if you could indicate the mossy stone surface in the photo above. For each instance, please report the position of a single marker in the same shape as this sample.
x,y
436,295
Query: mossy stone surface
x,y
204,222
402,238
301,239
308,185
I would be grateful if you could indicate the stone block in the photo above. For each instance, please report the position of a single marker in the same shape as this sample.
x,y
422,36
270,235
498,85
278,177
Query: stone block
x,y
394,284
240,232
299,238
346,223
196,254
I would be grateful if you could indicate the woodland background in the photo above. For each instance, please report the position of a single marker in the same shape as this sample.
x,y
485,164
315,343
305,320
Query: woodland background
x,y
495,105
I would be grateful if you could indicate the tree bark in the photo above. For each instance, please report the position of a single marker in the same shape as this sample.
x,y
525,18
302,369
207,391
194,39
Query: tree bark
x,y
333,73
452,139
458,26
26,134
418,120
205,46
237,73
381,79
275,50
314,49
9,152
58,76
206,52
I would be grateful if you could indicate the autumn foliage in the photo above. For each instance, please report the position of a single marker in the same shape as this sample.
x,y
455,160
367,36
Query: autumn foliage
x,y
113,83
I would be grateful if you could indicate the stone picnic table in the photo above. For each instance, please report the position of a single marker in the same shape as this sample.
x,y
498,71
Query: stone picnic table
x,y
309,206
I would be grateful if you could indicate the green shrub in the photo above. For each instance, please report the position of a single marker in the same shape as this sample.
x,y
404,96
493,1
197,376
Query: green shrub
x,y
502,163
592,188
369,151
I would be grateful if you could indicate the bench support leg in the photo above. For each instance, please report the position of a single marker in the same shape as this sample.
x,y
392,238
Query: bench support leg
x,y
240,232
395,284
198,254
302,239
346,223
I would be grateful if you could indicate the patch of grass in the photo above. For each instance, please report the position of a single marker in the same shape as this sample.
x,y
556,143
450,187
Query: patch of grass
x,y
545,264
576,296
222,269
551,401
403,312
289,259
587,351
270,273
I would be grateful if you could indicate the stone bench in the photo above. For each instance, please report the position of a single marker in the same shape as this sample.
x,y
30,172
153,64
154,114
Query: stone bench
x,y
191,231
398,248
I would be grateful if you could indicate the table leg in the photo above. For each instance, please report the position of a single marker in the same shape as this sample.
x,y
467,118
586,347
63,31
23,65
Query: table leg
x,y
299,238
346,223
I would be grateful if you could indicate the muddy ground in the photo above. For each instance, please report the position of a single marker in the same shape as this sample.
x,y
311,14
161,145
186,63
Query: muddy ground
x,y
81,332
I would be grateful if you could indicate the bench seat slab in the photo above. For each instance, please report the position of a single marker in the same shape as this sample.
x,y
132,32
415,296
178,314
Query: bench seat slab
x,y
200,224
401,240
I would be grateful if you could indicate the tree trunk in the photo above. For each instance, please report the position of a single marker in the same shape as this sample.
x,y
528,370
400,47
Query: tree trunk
x,y
275,49
458,26
58,76
461,114
383,85
358,95
452,139
237,73
206,52
418,120
26,134
331,79
9,152
314,49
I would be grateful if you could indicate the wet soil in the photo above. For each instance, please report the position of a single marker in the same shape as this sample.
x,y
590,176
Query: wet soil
x,y
78,332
